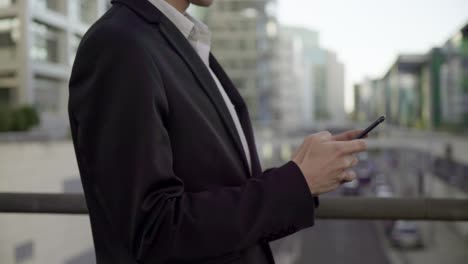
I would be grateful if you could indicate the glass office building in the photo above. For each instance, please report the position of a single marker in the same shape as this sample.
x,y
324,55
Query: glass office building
x,y
244,41
38,43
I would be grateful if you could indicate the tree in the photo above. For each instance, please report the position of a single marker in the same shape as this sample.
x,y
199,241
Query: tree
x,y
6,119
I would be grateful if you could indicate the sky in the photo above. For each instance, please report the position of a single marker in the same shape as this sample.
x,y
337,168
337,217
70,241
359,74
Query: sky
x,y
368,35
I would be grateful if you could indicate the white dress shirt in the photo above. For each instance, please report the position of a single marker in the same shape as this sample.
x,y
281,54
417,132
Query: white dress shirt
x,y
199,36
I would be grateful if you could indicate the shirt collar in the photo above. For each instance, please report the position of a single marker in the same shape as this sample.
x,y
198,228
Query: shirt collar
x,y
178,19
200,31
190,27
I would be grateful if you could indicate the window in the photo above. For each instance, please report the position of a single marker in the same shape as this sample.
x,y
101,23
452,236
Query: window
x,y
47,93
45,43
24,252
53,5
243,44
9,34
6,3
5,96
84,10
88,10
75,43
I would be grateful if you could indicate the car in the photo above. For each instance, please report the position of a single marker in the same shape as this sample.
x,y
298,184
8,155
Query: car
x,y
380,178
383,191
351,188
363,173
406,235
365,169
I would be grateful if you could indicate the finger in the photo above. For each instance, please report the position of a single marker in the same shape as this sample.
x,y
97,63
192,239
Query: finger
x,y
350,147
324,136
348,135
348,176
349,162
318,137
346,162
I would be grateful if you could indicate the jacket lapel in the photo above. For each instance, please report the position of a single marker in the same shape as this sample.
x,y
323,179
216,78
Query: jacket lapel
x,y
180,44
241,110
200,71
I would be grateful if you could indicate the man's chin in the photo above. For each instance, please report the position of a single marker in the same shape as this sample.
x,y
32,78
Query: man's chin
x,y
202,3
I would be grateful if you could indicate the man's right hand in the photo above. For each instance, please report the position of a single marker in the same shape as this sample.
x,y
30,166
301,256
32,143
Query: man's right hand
x,y
325,162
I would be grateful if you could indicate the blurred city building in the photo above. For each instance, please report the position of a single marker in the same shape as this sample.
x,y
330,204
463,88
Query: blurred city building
x,y
245,34
292,98
431,90
287,80
308,42
427,91
311,79
454,79
335,89
370,98
403,84
38,42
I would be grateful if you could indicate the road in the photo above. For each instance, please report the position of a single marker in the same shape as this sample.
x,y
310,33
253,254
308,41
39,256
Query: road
x,y
330,242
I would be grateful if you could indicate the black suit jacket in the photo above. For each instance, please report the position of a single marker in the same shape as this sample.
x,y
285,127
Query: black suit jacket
x,y
162,166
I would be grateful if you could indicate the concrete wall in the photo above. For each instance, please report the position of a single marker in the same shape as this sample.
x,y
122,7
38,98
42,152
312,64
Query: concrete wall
x,y
41,167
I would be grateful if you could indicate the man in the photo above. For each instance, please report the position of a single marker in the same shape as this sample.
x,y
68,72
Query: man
x,y
166,151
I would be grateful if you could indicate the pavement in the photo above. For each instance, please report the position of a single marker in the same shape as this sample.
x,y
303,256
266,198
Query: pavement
x,y
442,246
364,242
332,241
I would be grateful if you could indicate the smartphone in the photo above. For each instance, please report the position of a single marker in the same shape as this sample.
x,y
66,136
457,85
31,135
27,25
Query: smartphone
x,y
371,127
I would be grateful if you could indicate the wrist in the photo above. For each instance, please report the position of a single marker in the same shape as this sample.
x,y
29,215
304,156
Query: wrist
x,y
307,180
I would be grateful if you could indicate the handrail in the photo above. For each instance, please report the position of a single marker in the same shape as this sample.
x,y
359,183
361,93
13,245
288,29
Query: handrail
x,y
330,207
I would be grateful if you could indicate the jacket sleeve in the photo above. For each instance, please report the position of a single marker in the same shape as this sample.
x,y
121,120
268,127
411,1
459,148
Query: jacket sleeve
x,y
316,198
118,101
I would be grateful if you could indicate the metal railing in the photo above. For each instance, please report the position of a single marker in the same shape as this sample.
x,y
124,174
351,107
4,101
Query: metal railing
x,y
330,207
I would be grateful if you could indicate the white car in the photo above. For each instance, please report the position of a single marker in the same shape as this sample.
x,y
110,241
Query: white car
x,y
383,191
380,179
351,188
406,234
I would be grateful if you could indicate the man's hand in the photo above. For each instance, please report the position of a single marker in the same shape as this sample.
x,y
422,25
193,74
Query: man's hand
x,y
325,160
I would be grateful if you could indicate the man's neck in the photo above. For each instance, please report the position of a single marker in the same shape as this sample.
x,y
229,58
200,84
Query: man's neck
x,y
180,5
